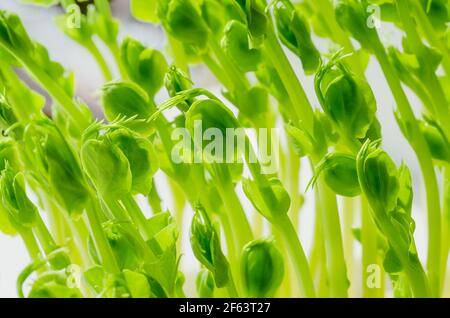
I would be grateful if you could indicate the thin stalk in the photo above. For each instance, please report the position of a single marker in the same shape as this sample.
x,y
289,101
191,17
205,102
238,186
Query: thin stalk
x,y
290,81
115,51
239,223
59,95
136,215
44,235
101,242
446,223
348,220
369,248
334,250
95,52
154,199
231,287
30,242
218,72
298,257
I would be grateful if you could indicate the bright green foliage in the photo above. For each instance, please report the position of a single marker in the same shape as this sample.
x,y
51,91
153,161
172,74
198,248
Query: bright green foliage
x,y
126,100
206,247
352,16
294,33
256,19
126,248
53,285
184,23
347,100
209,113
389,193
272,201
262,268
140,155
76,190
145,66
52,158
99,158
436,140
378,177
144,10
45,3
205,284
20,209
100,20
339,172
237,46
7,116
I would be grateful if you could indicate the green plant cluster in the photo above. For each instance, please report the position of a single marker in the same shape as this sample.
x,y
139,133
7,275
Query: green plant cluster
x,y
72,185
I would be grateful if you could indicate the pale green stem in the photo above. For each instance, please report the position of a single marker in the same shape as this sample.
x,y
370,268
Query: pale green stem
x,y
101,242
30,242
369,249
95,52
298,257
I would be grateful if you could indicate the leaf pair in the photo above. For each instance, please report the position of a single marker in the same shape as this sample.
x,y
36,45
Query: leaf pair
x,y
129,155
262,268
205,244
293,32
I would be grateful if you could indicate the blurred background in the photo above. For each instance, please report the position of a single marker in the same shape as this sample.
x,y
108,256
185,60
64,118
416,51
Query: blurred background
x,y
40,25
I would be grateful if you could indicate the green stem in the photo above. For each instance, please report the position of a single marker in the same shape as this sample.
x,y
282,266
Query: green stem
x,y
348,220
238,221
369,248
136,214
95,52
333,241
296,93
44,235
446,225
77,117
231,287
101,242
115,51
30,242
298,257
154,199
218,72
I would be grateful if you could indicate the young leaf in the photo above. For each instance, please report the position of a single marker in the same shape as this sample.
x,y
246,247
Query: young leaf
x,y
185,23
20,209
145,66
262,268
236,44
99,158
294,32
339,172
141,156
206,247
